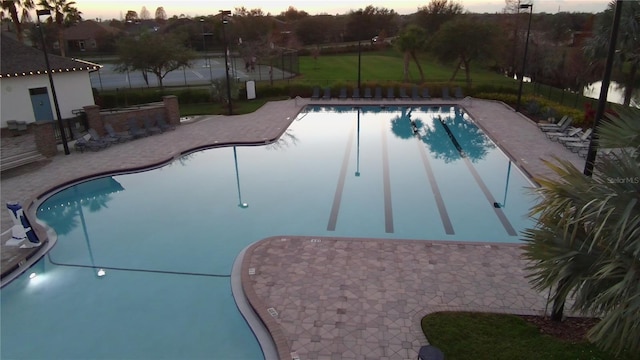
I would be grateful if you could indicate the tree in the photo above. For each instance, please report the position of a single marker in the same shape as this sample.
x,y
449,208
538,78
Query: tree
x,y
586,242
436,13
153,53
12,7
64,14
463,40
145,14
131,16
293,14
628,47
161,15
410,41
366,23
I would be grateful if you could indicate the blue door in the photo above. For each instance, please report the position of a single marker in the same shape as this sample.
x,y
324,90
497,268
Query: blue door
x,y
41,104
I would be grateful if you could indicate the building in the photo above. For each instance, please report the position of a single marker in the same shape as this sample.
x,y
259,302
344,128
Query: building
x,y
24,84
90,36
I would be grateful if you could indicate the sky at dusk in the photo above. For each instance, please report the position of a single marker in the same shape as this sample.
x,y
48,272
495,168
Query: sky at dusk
x,y
118,8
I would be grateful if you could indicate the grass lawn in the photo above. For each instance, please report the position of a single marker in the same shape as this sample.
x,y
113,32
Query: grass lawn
x,y
388,66
465,335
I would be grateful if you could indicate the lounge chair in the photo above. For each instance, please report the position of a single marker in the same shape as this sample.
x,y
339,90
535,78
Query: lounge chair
x,y
327,93
316,93
445,93
586,135
425,93
378,94
356,93
106,139
121,136
553,123
367,93
403,93
162,124
559,127
414,93
343,93
391,93
135,130
458,93
571,132
86,143
150,126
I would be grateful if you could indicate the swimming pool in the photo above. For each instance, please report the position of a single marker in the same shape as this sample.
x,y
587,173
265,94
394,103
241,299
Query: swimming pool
x,y
166,239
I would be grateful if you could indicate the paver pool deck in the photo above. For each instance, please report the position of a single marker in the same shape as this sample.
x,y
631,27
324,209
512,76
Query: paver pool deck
x,y
334,298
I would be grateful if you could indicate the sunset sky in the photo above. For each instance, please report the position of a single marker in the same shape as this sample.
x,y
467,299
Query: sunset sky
x,y
116,8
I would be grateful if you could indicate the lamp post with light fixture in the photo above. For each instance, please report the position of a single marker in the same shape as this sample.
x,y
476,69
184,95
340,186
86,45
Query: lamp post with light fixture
x,y
524,58
225,21
63,136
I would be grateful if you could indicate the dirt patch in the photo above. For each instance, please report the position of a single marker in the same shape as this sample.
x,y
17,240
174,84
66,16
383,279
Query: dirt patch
x,y
571,329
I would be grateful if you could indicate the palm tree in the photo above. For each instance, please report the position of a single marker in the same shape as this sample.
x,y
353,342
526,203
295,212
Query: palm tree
x,y
586,243
628,48
64,14
12,7
410,41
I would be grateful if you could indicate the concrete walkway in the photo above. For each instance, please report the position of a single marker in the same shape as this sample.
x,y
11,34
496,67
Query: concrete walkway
x,y
333,298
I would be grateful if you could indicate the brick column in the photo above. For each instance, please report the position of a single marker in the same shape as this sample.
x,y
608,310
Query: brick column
x,y
171,109
45,138
94,119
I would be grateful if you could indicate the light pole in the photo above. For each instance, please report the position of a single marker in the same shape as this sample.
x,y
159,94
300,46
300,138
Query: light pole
x,y
207,63
63,136
224,14
526,47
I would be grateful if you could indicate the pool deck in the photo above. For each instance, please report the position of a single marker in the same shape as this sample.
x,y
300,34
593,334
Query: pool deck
x,y
332,298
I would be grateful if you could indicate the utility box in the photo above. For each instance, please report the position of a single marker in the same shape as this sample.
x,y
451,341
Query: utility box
x,y
251,90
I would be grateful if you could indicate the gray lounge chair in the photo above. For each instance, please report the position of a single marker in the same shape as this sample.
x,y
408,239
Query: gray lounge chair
x,y
356,93
150,126
561,126
554,135
586,135
553,124
162,124
425,93
414,93
343,93
121,136
445,93
316,93
327,93
378,94
367,93
403,93
135,130
107,139
391,93
86,143
458,93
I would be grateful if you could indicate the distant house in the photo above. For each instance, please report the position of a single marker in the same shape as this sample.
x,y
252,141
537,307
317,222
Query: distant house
x,y
25,91
90,36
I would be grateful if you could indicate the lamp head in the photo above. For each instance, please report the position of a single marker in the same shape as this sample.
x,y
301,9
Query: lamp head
x,y
525,6
43,12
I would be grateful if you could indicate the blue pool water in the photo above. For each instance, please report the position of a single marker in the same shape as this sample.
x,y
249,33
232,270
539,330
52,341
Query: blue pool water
x,y
167,238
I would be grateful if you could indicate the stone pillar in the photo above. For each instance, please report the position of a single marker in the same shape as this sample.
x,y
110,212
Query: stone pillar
x,y
94,119
45,137
171,109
